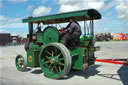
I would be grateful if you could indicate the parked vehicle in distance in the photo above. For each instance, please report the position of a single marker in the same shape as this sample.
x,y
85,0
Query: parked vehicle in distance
x,y
103,37
120,36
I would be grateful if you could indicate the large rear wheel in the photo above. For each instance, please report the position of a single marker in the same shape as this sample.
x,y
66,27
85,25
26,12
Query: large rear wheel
x,y
55,60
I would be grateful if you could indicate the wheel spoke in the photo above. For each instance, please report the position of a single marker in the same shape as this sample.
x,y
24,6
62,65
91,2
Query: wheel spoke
x,y
59,68
48,53
56,68
47,62
52,53
47,57
43,62
55,51
61,64
50,65
61,59
52,69
58,55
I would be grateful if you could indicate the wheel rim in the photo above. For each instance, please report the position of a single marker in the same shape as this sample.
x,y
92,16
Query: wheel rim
x,y
53,61
20,63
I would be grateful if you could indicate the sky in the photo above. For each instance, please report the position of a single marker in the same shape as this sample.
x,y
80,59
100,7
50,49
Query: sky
x,y
114,13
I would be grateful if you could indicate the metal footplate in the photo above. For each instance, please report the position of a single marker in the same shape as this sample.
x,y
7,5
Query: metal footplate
x,y
97,48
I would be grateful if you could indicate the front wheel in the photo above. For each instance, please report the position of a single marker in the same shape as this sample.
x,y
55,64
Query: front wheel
x,y
55,60
20,63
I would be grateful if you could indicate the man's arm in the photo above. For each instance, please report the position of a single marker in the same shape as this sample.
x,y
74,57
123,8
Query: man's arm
x,y
68,26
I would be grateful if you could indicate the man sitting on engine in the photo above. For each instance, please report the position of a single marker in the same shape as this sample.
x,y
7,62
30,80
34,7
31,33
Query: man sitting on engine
x,y
74,31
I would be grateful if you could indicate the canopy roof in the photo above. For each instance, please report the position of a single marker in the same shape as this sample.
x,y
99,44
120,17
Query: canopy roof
x,y
64,17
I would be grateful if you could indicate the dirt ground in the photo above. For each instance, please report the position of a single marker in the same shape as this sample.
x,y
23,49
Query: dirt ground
x,y
99,74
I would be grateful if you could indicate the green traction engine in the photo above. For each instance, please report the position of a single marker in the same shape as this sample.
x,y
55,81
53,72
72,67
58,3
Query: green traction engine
x,y
45,47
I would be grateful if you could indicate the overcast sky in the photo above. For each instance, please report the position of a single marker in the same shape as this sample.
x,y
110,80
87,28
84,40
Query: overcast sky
x,y
114,13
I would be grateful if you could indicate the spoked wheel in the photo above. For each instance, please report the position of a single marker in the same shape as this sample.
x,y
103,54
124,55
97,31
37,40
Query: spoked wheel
x,y
55,60
20,63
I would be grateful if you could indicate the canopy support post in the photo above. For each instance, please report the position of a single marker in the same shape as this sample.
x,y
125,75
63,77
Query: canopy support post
x,y
92,26
84,28
30,24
